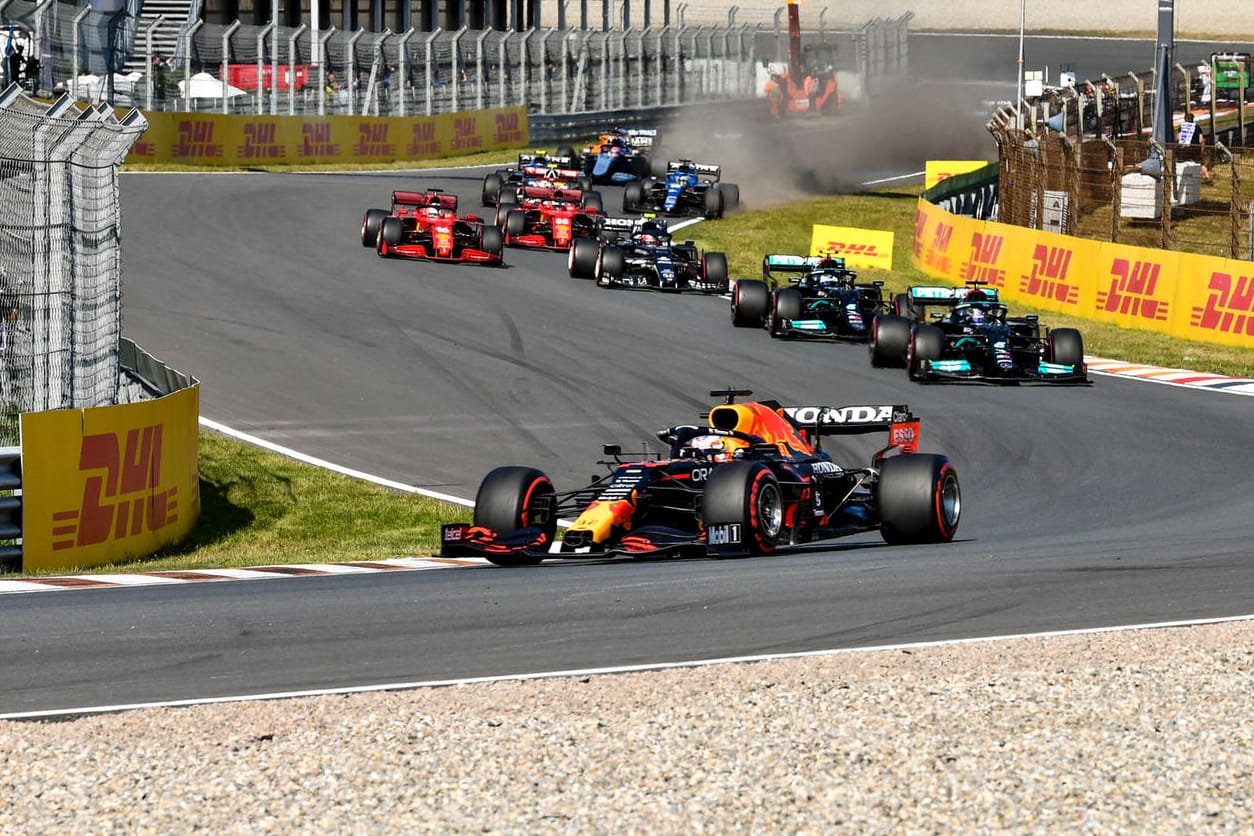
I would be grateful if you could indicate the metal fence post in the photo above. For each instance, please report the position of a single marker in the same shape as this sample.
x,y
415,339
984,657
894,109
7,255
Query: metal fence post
x,y
479,82
351,81
457,67
187,63
226,61
322,68
261,53
402,67
546,78
148,45
78,18
502,67
427,44
291,70
522,68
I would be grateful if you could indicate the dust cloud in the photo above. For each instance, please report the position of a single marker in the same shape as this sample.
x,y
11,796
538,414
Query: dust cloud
x,y
776,162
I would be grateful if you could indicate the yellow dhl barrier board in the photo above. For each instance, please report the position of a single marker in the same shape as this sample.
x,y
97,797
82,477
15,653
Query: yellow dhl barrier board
x,y
110,483
1195,297
859,247
935,171
214,139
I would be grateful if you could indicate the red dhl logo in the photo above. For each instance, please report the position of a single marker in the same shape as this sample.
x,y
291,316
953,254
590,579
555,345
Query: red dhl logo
x,y
841,248
944,233
1048,279
982,264
509,128
372,141
422,140
261,142
316,140
920,228
1131,290
1230,306
124,500
195,140
466,133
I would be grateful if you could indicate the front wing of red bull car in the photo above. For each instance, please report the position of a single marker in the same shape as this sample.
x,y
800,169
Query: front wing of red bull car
x,y
749,493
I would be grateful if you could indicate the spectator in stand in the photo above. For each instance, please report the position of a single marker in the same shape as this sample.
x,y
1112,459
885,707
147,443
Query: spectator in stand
x,y
336,95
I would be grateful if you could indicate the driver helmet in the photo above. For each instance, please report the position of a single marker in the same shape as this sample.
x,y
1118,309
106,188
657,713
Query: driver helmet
x,y
717,448
976,315
648,239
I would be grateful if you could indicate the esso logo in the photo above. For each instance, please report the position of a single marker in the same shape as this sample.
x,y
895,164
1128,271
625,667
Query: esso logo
x,y
902,435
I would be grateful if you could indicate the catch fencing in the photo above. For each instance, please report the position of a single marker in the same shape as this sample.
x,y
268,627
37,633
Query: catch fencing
x,y
1097,188
60,255
279,70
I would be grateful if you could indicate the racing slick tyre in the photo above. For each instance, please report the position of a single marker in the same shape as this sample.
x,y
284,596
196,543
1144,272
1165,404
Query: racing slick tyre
x,y
492,188
515,222
750,302
491,240
1066,347
786,303
584,184
714,271
507,197
567,151
731,196
511,498
582,258
890,341
926,342
592,201
391,231
713,203
610,265
633,196
743,510
919,499
370,226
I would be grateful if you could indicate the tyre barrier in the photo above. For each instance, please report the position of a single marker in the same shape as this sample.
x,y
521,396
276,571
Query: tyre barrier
x,y
11,509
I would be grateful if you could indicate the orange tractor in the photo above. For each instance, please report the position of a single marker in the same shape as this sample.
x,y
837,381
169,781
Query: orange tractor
x,y
808,85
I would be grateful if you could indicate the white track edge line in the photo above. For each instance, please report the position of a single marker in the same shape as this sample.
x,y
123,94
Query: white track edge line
x,y
658,666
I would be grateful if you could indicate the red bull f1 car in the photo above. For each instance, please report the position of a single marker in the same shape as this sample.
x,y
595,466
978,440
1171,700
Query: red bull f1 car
x,y
822,299
965,333
426,225
752,478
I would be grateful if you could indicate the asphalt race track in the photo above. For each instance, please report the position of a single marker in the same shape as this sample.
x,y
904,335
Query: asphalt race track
x,y
1120,503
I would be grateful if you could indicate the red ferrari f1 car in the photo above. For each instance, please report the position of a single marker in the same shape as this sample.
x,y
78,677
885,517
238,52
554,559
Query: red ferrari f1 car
x,y
553,224
426,225
753,478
